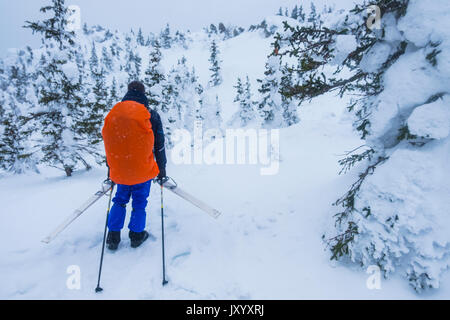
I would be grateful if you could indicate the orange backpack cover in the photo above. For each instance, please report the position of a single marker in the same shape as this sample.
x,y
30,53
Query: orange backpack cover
x,y
129,141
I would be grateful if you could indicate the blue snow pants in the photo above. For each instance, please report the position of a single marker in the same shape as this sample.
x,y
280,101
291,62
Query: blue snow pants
x,y
139,193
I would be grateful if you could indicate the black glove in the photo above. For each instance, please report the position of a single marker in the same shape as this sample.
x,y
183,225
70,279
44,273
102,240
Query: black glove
x,y
162,176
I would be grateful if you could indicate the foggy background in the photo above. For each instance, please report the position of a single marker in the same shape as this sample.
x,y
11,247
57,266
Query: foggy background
x,y
151,16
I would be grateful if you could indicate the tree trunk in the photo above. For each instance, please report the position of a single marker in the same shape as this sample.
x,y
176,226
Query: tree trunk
x,y
68,171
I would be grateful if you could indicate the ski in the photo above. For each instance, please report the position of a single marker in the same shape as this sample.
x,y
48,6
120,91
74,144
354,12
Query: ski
x,y
105,188
169,185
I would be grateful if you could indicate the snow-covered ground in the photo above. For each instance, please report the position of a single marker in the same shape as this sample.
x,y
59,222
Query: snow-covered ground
x,y
268,242
266,245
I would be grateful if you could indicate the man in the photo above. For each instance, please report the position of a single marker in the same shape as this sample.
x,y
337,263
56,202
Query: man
x,y
133,136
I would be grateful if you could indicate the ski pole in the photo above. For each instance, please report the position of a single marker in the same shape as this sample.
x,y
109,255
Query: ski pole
x,y
99,289
162,236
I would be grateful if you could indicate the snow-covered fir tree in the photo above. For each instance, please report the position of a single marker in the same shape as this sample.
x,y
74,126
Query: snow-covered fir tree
x,y
288,105
180,39
17,95
140,38
280,12
301,15
210,113
313,15
166,38
106,60
294,14
180,99
390,216
246,113
214,59
154,76
54,28
136,64
270,105
113,94
97,101
59,93
15,153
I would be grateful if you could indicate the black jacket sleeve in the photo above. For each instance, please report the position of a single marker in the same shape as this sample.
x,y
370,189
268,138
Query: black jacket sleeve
x,y
158,132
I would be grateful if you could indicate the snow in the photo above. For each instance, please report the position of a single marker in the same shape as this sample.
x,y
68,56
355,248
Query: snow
x,y
409,82
267,244
431,120
417,197
260,248
425,22
376,56
401,210
71,71
343,46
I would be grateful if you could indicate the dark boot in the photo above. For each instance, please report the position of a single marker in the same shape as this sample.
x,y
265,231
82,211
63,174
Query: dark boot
x,y
113,240
138,238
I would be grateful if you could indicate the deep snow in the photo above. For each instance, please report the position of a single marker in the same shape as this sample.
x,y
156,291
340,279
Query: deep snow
x,y
266,245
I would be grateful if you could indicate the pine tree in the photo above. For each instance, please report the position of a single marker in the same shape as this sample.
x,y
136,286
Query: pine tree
x,y
216,78
133,65
180,99
97,106
58,93
217,113
246,114
301,14
137,67
165,38
210,114
212,29
108,35
313,18
270,105
15,154
16,97
374,225
140,38
240,91
294,14
154,76
106,60
180,38
170,108
225,31
86,30
151,39
93,60
288,106
54,28
113,96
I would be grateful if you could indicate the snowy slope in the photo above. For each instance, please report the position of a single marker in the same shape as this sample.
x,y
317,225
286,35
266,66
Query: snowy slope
x,y
267,244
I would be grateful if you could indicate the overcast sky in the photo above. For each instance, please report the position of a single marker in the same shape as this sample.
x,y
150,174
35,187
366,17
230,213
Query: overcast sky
x,y
149,14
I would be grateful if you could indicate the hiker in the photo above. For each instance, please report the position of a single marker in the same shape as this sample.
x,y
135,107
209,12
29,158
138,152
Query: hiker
x,y
133,136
